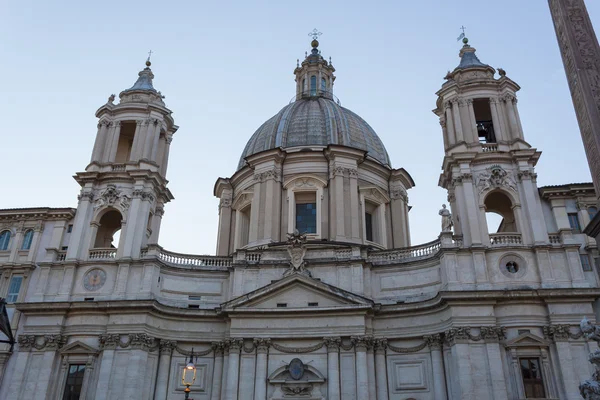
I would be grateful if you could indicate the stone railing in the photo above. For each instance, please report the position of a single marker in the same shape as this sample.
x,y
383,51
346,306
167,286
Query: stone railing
x,y
118,167
405,254
103,254
194,260
489,147
253,257
60,256
505,239
554,238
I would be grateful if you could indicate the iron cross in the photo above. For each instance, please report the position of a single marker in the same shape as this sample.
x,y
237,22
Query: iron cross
x,y
149,55
315,34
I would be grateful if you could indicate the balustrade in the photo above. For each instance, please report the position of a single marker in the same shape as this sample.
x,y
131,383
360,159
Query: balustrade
x,y
405,254
103,254
505,239
194,260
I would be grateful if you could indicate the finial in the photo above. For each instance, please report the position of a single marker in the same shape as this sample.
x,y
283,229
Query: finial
x,y
148,63
501,71
315,35
297,63
305,54
462,35
329,60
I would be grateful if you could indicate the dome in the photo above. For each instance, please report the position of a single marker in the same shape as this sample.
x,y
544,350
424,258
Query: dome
x,y
316,121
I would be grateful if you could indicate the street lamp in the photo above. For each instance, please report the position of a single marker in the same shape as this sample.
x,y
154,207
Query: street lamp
x,y
189,375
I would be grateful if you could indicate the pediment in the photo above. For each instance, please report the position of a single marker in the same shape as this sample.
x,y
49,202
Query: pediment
x,y
527,340
296,291
78,348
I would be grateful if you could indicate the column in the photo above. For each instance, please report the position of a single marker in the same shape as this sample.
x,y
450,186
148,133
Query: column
x,y
225,369
333,367
99,144
164,367
516,372
114,142
165,159
472,209
272,202
491,336
362,376
437,363
215,393
498,129
15,244
444,132
81,223
512,118
472,121
159,211
338,191
536,217
381,369
255,210
44,371
449,124
457,124
141,130
155,138
548,375
231,390
108,344
399,216
18,377
354,213
519,126
371,369
260,380
35,241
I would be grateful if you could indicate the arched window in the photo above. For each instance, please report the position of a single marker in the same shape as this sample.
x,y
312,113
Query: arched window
x,y
27,240
323,85
4,240
500,204
313,85
110,225
303,86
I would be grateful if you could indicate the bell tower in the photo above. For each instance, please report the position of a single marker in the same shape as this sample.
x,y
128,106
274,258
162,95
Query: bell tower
x,y
124,188
488,166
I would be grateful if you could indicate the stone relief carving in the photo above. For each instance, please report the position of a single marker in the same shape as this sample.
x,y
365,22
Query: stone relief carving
x,y
398,193
267,175
112,196
41,342
297,250
495,177
342,171
142,194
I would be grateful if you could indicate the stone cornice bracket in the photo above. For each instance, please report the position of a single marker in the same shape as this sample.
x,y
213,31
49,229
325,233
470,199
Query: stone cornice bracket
x,y
167,346
85,195
262,345
560,333
144,195
398,193
225,202
109,341
43,342
342,171
525,175
333,343
435,341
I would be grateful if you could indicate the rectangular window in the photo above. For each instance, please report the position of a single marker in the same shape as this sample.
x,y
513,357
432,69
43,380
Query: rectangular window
x,y
69,228
281,305
306,217
14,288
369,226
74,382
532,378
313,304
585,262
574,222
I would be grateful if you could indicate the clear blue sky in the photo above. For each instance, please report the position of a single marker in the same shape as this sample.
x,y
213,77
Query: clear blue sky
x,y
226,67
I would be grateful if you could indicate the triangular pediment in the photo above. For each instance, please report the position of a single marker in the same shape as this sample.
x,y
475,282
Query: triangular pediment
x,y
527,340
296,292
78,348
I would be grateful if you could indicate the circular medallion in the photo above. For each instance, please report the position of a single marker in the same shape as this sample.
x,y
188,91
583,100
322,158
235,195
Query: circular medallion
x,y
512,266
94,279
296,369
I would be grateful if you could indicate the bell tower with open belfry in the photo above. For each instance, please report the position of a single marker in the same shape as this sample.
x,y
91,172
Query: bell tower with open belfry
x,y
488,166
124,188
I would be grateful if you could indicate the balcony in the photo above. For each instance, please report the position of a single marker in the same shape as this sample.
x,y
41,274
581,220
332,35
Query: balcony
x,y
103,254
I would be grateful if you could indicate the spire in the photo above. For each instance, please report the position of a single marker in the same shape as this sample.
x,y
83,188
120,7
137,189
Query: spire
x,y
468,58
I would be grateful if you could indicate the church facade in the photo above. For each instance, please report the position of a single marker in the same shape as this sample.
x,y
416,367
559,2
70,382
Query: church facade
x,y
316,291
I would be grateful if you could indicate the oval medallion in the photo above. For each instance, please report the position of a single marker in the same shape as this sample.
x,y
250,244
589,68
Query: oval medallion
x,y
94,279
296,368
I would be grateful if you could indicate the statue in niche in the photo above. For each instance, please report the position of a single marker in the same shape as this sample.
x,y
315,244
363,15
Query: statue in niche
x,y
590,389
447,222
296,249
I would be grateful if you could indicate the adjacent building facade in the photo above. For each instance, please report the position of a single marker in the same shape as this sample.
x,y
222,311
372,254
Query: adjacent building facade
x,y
315,291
